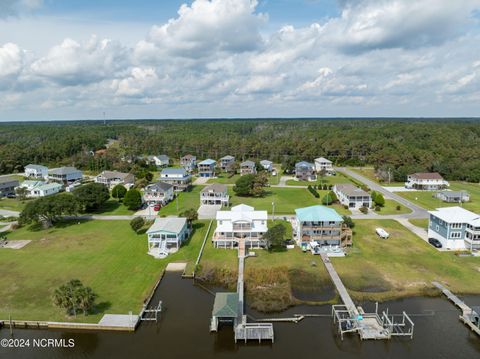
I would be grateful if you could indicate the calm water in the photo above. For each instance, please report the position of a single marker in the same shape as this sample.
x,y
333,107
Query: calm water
x,y
183,332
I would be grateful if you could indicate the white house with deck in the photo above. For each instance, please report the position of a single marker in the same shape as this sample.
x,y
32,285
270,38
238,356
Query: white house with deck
x,y
65,175
267,165
112,178
323,164
214,195
46,189
428,181
178,177
158,193
248,168
189,162
36,171
455,227
352,196
159,160
241,223
166,235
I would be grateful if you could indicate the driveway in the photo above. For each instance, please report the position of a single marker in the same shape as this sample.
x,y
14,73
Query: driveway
x,y
201,180
208,212
417,212
398,189
7,213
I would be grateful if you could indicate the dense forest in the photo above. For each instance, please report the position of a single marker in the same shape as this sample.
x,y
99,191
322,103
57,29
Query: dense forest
x,y
451,147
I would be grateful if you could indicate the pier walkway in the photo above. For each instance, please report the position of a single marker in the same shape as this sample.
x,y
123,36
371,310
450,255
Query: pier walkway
x,y
468,315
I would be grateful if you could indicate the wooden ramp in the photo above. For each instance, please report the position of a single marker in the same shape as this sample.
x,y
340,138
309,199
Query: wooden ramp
x,y
467,312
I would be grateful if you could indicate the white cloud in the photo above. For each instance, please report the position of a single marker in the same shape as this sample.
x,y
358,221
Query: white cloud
x,y
11,60
72,63
137,83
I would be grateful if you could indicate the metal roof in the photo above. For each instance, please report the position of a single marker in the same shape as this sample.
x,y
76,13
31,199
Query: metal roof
x,y
227,157
36,167
162,186
248,163
63,170
318,214
455,214
215,187
208,161
168,224
427,175
174,171
351,190
225,305
7,178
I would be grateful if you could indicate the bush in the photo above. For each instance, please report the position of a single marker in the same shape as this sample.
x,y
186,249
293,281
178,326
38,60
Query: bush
x,y
398,208
329,198
379,200
378,208
133,199
137,223
119,191
348,221
313,191
364,210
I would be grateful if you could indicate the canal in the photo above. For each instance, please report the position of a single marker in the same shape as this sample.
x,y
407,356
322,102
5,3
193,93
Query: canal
x,y
182,332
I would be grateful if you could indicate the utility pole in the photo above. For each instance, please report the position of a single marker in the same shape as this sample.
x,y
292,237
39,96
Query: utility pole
x,y
176,199
273,211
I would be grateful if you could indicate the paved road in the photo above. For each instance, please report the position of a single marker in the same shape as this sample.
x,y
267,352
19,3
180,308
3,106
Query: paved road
x,y
6,213
417,212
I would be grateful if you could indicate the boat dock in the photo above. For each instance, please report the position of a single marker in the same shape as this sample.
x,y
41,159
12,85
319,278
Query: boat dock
x,y
469,317
369,326
229,307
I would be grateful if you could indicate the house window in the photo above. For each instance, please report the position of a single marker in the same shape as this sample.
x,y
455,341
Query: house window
x,y
455,235
437,227
456,225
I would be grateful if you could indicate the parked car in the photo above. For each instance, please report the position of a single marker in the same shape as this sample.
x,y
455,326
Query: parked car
x,y
435,242
157,207
382,233
11,195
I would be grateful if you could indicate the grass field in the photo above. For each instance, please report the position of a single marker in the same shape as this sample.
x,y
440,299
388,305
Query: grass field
x,y
369,173
422,223
329,180
390,207
114,208
186,200
225,179
286,200
426,200
12,204
105,255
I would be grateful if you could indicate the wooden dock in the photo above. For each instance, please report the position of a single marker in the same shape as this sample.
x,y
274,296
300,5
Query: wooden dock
x,y
467,312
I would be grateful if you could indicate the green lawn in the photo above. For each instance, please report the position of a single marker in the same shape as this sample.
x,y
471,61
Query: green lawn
x,y
112,207
286,200
329,180
12,204
224,178
105,255
186,200
422,223
403,264
390,207
426,200
369,173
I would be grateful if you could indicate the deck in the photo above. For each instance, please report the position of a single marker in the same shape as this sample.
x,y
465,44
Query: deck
x,y
466,310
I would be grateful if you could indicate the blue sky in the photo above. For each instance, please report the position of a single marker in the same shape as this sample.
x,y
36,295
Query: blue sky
x,y
75,59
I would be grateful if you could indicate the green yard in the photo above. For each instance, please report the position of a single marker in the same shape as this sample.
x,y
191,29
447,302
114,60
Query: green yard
x,y
114,208
422,223
390,207
329,180
286,200
369,173
186,200
12,204
105,255
426,200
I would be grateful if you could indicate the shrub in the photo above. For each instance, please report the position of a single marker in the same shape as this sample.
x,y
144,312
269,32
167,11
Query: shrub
x,y
379,200
377,208
329,198
137,223
313,191
364,210
348,221
398,208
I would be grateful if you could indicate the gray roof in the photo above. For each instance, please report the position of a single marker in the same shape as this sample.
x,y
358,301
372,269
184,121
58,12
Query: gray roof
x,y
174,171
115,174
304,164
225,305
189,157
215,187
163,157
159,186
63,170
454,193
351,190
227,157
168,224
6,179
248,163
266,162
36,167
322,159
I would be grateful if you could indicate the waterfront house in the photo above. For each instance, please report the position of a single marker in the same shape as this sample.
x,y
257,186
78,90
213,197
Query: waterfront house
x,y
226,162
159,160
178,177
45,189
247,168
189,162
166,235
305,171
322,225
112,178
206,168
7,185
36,171
30,184
214,194
241,223
453,196
267,165
428,181
322,164
65,175
352,196
455,227
158,193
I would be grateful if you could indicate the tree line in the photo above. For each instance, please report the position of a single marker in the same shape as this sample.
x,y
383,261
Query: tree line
x,y
395,147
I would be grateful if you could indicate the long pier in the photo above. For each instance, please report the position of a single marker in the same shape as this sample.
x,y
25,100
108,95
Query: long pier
x,y
353,319
467,312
